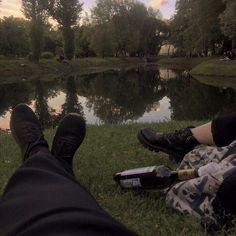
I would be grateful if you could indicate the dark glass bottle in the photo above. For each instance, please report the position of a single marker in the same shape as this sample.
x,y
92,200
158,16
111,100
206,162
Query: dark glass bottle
x,y
155,177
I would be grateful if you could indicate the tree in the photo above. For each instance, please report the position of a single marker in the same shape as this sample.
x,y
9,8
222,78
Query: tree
x,y
83,36
14,34
121,25
52,40
66,13
195,29
153,35
228,21
102,41
36,12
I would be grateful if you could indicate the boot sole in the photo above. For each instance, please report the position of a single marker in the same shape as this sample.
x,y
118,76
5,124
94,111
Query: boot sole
x,y
157,149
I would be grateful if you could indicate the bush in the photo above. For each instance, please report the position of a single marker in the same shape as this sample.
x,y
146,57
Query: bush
x,y
31,57
47,55
2,57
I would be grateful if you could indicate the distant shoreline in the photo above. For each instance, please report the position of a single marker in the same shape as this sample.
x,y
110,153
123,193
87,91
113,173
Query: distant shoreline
x,y
20,70
203,66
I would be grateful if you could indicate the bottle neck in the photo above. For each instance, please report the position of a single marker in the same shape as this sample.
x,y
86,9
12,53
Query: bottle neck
x,y
185,174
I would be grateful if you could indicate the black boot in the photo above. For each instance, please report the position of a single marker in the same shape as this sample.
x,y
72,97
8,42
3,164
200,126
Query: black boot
x,y
26,130
177,144
69,136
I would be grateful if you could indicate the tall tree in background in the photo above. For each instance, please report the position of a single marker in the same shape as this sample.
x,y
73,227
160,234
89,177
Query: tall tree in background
x,y
179,25
205,25
196,26
154,34
121,27
36,12
14,37
228,21
66,13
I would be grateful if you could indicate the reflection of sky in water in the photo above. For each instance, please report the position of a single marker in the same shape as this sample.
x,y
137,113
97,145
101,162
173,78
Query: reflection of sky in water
x,y
59,100
167,73
160,114
144,97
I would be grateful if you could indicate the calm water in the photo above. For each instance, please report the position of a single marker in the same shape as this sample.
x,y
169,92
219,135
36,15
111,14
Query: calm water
x,y
146,94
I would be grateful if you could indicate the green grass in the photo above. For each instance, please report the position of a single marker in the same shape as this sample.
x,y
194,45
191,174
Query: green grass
x,y
106,150
216,67
11,70
217,81
181,62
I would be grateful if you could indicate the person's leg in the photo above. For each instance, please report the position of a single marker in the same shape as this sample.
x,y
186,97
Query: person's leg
x,y
224,130
177,144
43,197
203,134
220,132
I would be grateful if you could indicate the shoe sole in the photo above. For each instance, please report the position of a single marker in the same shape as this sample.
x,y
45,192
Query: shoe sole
x,y
157,149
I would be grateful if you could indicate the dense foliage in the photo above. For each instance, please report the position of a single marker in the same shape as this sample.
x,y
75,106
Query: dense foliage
x,y
118,28
203,27
66,13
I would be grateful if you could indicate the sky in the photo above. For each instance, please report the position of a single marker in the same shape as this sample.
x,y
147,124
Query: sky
x,y
13,7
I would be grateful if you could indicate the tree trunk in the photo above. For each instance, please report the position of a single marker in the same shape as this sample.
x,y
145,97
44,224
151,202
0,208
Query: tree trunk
x,y
36,36
69,42
234,46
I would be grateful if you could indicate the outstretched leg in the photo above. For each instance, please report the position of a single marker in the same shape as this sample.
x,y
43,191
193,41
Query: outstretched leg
x,y
43,196
220,132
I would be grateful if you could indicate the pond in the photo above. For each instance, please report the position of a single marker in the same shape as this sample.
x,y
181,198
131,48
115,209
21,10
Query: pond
x,y
142,94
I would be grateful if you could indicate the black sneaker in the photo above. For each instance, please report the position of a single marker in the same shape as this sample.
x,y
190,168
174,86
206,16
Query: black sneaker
x,y
69,136
27,132
176,144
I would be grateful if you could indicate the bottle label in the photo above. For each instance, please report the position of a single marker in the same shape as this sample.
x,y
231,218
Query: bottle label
x,y
138,171
186,174
130,183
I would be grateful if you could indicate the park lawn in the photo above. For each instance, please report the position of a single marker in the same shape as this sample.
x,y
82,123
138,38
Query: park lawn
x,y
12,70
182,63
106,150
216,67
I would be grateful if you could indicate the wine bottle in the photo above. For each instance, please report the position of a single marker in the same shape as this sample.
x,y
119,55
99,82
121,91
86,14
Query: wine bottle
x,y
159,177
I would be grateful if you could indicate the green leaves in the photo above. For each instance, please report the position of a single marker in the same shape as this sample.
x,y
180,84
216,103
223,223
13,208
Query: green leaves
x,y
126,28
228,19
67,14
195,29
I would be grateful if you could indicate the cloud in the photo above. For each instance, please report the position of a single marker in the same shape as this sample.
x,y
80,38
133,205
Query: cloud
x,y
157,3
11,7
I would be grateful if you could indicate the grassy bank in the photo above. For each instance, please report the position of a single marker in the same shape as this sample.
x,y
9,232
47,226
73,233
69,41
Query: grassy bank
x,y
216,67
203,66
181,62
105,152
51,68
217,81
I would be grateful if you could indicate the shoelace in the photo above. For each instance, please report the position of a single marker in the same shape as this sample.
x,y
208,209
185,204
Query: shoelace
x,y
38,142
66,146
170,137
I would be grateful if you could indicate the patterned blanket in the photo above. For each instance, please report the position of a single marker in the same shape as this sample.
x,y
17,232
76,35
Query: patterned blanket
x,y
195,196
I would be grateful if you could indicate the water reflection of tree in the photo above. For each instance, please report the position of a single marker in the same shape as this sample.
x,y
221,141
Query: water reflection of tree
x,y
72,104
191,100
13,94
118,97
46,114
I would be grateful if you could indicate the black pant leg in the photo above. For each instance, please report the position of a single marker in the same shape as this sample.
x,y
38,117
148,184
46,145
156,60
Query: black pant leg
x,y
224,130
43,198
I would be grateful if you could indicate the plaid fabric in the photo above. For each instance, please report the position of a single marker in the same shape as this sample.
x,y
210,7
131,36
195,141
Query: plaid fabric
x,y
195,196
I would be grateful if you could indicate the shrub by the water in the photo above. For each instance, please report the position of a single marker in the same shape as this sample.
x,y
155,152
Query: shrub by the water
x,y
47,55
